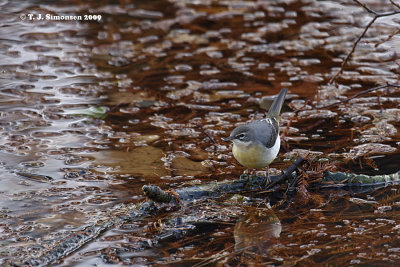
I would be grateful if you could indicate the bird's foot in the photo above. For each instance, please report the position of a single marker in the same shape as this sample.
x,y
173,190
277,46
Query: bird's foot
x,y
244,177
248,175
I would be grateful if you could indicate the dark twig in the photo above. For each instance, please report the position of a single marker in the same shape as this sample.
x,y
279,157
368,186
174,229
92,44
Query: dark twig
x,y
365,7
395,4
204,131
376,16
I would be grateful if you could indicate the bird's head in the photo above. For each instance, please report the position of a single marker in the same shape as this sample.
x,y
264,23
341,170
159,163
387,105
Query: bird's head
x,y
241,134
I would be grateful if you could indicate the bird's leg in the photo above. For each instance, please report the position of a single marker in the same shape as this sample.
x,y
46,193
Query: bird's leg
x,y
266,178
244,175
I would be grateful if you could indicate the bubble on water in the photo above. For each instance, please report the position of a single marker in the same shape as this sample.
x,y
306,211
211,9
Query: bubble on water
x,y
183,67
148,39
33,164
212,85
317,114
210,72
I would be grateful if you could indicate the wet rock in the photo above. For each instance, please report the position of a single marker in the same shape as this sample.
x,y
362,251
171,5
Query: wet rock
x,y
186,167
198,154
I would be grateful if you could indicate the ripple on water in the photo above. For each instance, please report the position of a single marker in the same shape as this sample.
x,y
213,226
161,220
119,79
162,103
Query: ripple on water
x,y
37,141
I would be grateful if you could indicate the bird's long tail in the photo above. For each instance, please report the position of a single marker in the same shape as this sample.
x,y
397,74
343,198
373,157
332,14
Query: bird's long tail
x,y
276,106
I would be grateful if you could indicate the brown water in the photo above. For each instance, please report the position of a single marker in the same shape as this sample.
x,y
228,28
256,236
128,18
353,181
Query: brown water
x,y
172,73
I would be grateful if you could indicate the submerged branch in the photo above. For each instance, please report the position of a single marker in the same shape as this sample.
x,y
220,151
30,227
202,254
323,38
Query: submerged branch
x,y
343,180
216,189
157,194
86,235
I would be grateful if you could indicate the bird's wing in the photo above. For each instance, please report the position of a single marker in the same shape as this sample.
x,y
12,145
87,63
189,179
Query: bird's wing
x,y
266,131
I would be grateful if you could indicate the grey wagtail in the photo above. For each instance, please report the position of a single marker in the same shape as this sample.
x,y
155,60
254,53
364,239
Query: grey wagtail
x,y
257,144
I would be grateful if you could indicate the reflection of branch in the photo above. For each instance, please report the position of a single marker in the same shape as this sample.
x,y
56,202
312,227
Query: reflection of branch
x,y
360,93
388,38
204,131
376,16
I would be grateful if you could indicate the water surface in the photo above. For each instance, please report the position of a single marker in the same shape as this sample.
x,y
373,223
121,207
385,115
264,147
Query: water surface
x,y
170,74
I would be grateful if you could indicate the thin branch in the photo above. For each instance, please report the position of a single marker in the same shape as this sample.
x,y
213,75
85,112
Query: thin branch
x,y
376,16
394,3
352,51
388,38
366,7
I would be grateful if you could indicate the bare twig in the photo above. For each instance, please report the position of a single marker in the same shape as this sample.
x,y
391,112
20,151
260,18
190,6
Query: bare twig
x,y
376,16
388,38
395,4
365,7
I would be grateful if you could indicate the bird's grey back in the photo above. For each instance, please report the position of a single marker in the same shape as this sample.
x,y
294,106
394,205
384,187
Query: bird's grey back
x,y
265,132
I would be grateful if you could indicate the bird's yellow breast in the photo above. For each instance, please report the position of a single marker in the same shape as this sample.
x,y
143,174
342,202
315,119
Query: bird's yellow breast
x,y
252,156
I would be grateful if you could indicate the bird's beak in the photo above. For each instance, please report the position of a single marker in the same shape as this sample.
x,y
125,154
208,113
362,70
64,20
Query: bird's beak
x,y
229,138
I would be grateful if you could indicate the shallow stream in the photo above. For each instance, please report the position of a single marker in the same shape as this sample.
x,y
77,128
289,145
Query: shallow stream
x,y
169,75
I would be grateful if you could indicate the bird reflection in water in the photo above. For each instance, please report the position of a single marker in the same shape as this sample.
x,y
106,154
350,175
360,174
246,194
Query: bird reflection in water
x,y
256,231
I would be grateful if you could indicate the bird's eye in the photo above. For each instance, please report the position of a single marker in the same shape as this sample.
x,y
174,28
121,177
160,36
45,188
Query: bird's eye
x,y
240,136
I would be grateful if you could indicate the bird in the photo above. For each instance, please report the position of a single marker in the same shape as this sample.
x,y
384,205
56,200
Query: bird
x,y
256,144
